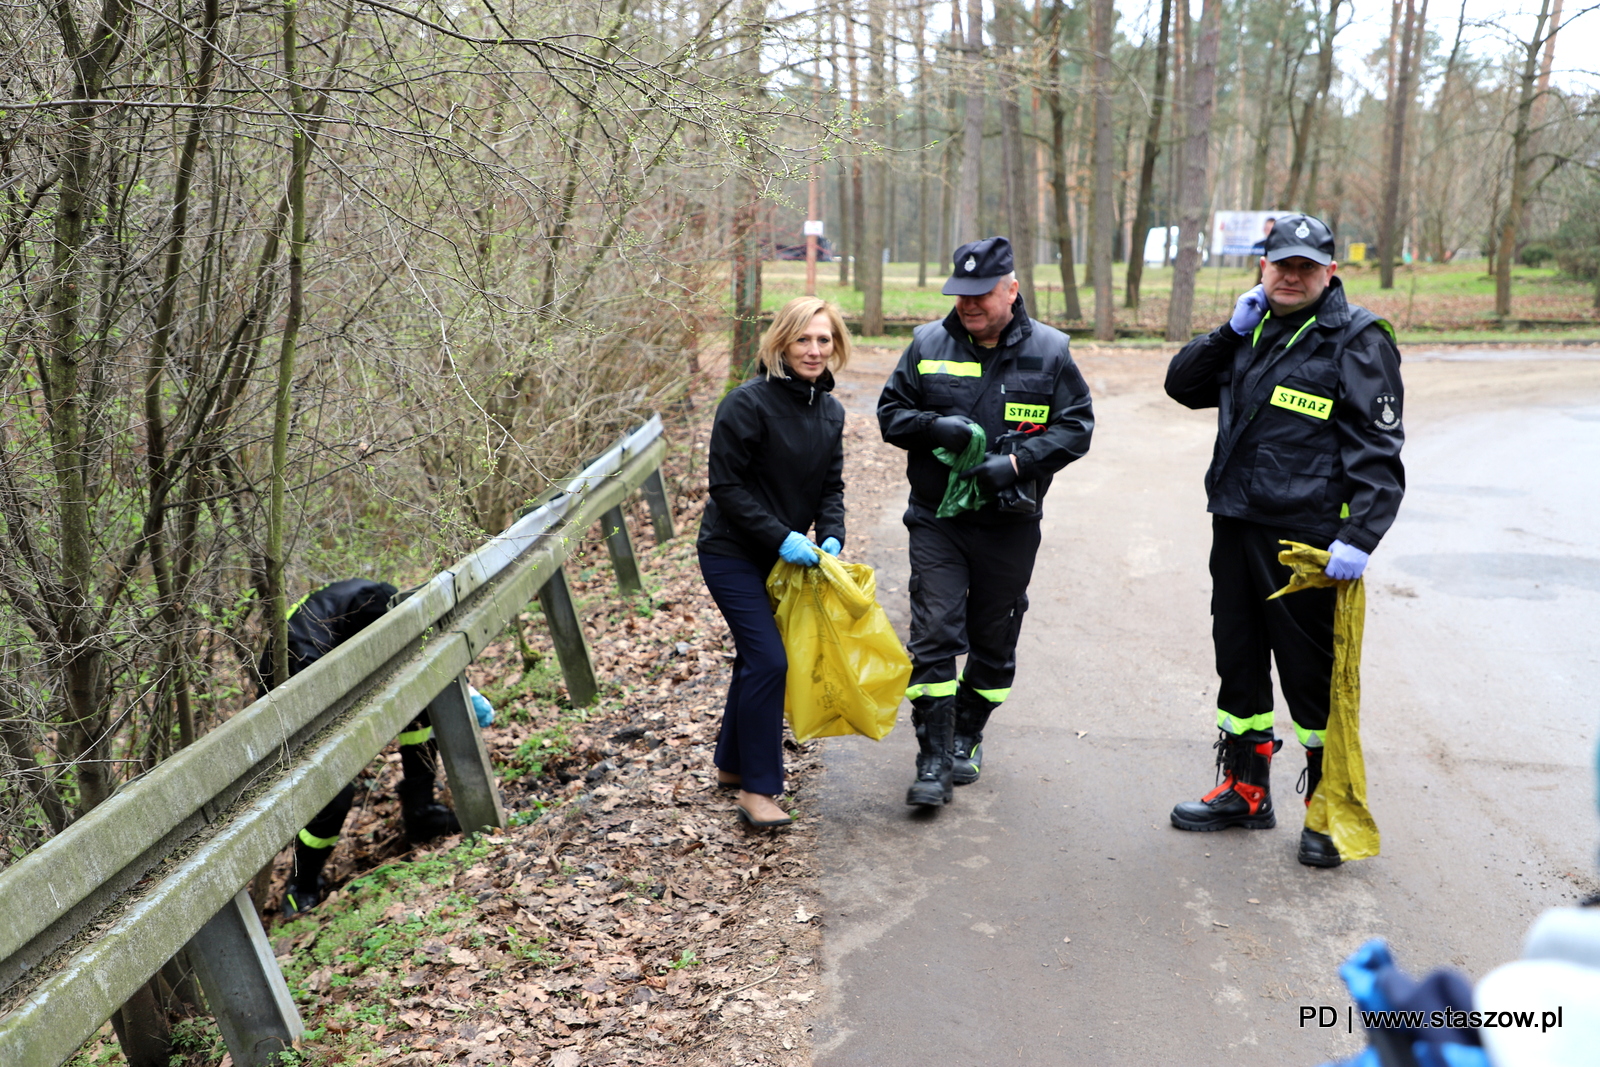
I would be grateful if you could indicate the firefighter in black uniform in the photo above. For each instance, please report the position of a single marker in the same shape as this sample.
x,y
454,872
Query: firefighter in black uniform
x,y
1308,396
321,622
989,365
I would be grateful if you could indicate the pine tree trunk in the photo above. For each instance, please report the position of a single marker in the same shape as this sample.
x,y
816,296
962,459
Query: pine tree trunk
x,y
1196,161
1147,168
1070,310
1105,321
966,221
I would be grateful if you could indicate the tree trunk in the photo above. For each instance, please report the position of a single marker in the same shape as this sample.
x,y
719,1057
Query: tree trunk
x,y
1399,102
923,88
972,137
1105,321
1196,161
1147,167
1269,107
1018,213
1070,310
1521,163
869,268
1311,114
746,220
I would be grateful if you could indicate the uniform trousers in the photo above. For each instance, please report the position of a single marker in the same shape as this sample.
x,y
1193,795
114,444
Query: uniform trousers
x,y
969,592
1251,633
750,742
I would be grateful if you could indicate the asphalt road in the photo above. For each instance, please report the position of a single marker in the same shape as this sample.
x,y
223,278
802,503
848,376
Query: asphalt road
x,y
1051,915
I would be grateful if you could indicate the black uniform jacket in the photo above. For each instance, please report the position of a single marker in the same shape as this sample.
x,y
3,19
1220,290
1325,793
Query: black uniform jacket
x,y
327,619
776,465
1308,422
1027,382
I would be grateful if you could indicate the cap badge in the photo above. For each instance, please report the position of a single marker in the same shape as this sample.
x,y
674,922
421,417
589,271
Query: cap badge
x,y
970,265
1302,231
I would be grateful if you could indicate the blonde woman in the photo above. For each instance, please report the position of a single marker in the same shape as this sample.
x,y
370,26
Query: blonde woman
x,y
776,470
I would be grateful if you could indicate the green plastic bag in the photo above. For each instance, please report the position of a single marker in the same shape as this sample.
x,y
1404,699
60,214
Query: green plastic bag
x,y
847,668
962,494
1339,806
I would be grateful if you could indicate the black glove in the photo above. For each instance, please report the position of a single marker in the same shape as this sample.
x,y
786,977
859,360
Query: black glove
x,y
951,431
993,474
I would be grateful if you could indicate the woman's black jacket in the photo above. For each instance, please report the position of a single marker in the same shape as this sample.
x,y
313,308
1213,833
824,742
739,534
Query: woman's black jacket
x,y
776,464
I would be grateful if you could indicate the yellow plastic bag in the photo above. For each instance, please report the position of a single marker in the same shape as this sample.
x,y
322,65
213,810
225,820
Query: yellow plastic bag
x,y
1339,807
847,668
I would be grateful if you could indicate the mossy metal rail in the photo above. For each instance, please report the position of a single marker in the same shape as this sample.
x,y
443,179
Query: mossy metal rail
x,y
158,870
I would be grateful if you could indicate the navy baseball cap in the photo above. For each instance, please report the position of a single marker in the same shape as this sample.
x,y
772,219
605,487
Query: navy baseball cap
x,y
979,265
1300,235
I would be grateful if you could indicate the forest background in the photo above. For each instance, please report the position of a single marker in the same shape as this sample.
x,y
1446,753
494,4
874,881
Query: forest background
x,y
302,291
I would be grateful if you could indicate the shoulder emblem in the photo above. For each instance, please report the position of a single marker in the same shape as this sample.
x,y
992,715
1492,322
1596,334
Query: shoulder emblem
x,y
1386,412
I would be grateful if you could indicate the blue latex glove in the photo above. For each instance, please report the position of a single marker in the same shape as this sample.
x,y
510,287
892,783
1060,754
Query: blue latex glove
x,y
831,546
481,707
797,549
1249,311
1345,562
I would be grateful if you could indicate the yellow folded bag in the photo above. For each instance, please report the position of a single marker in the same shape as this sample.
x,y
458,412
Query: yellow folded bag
x,y
1339,807
847,668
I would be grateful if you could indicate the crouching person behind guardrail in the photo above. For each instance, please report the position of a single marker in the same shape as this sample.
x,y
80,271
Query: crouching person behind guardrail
x,y
318,624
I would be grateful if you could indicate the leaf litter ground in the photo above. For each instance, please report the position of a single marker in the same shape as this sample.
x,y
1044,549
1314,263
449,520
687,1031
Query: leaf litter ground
x,y
626,917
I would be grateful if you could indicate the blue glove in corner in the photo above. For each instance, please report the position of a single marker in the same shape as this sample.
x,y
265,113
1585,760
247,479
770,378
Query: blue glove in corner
x,y
1249,311
481,707
1345,562
831,546
796,548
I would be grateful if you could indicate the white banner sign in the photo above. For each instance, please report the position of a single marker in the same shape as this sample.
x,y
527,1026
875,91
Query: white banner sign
x,y
811,226
1241,233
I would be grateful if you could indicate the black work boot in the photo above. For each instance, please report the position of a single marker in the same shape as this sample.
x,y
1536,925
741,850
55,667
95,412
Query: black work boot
x,y
306,887
935,722
1316,850
424,817
1243,796
972,715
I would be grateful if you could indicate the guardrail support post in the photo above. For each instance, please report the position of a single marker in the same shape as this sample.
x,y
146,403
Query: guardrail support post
x,y
465,759
572,650
620,545
243,986
655,494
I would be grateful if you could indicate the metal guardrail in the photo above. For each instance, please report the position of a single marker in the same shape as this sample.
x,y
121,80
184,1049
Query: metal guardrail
x,y
159,868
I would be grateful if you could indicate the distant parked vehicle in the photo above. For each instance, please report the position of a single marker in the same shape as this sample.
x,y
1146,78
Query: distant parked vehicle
x,y
798,252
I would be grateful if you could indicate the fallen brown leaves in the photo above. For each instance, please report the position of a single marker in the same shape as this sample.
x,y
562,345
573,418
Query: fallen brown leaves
x,y
633,921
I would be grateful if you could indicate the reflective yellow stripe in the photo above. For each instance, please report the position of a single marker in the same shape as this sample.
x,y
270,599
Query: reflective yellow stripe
x,y
1233,724
298,604
932,689
1255,338
950,366
1310,738
1309,323
416,737
1318,407
1344,511
311,840
994,696
1027,412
